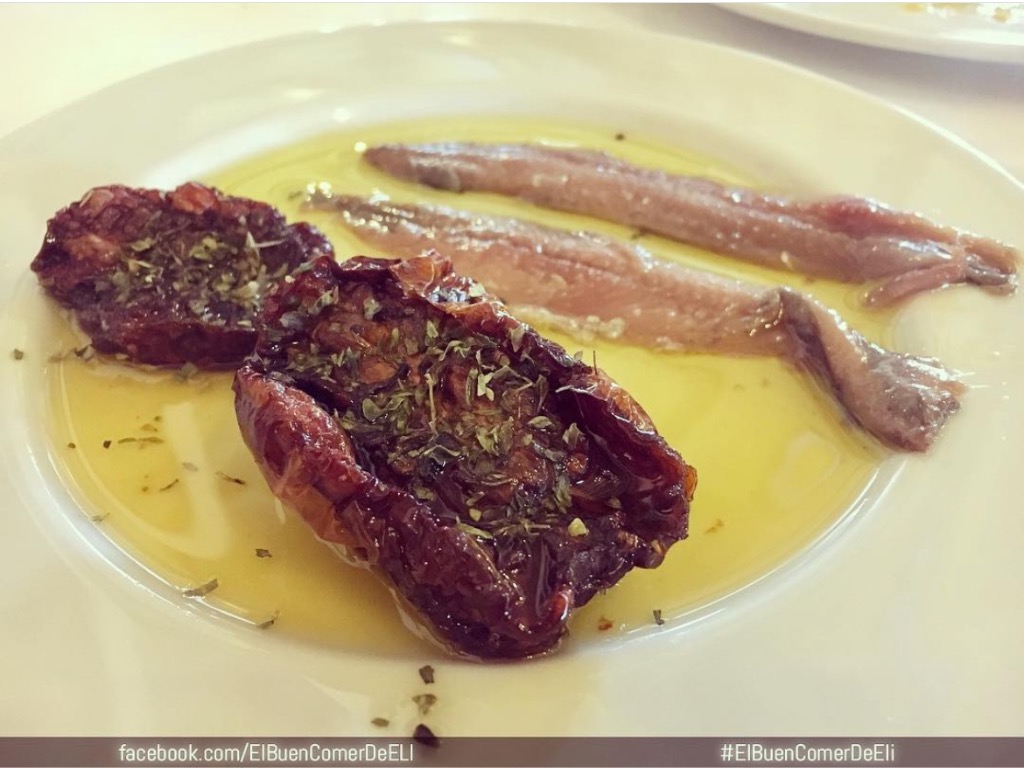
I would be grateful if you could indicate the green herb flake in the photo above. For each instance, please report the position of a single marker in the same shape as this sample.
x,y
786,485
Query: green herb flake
x,y
430,331
151,440
268,623
170,485
542,390
540,422
424,701
201,590
485,437
107,443
370,307
563,497
516,337
577,528
381,722
427,674
456,346
371,411
292,321
716,526
186,372
260,552
571,436
482,388
229,478
472,530
547,453
424,494
17,354
142,245
657,617
433,409
324,300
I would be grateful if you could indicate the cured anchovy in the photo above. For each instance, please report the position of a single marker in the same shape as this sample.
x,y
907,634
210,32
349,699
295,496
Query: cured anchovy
x,y
848,239
623,292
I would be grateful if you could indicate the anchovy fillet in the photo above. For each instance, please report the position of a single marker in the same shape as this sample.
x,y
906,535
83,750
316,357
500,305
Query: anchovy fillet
x,y
848,239
902,400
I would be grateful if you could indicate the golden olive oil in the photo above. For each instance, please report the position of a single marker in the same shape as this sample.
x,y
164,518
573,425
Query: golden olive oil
x,y
160,467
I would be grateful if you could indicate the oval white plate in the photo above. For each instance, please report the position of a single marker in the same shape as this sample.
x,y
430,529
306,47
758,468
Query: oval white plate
x,y
969,32
904,621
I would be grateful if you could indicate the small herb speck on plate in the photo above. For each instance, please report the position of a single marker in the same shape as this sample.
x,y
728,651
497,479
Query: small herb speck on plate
x,y
202,589
423,735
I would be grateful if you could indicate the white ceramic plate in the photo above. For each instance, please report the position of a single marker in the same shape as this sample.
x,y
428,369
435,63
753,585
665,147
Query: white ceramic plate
x,y
979,31
904,621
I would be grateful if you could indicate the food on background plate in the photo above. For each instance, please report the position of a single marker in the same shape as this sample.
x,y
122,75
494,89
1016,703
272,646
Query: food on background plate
x,y
170,278
1002,13
493,481
610,287
848,239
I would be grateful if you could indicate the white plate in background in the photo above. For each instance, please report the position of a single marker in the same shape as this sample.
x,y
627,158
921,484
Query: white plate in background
x,y
969,31
903,622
